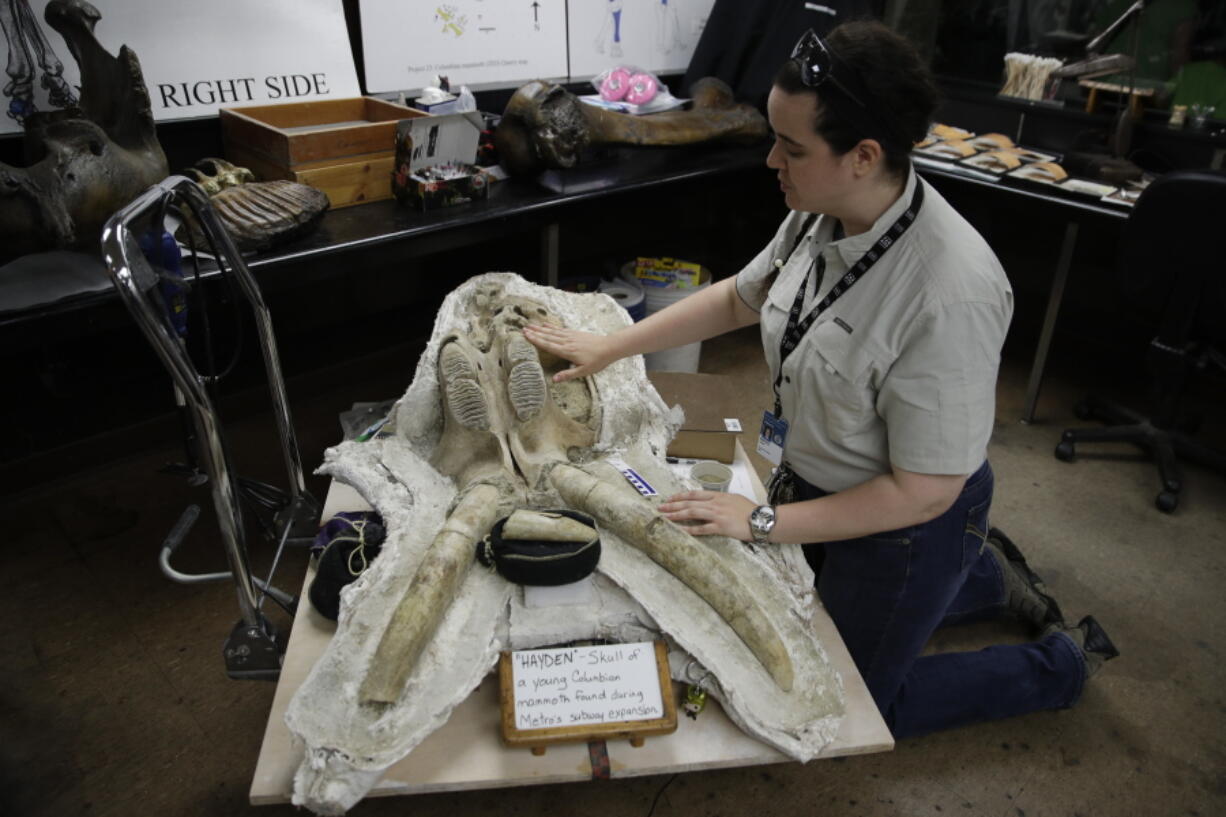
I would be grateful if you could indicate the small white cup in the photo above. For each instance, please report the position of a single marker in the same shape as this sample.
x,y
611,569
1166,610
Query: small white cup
x,y
711,475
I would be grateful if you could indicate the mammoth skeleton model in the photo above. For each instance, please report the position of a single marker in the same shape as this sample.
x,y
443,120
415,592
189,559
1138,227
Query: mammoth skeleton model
x,y
482,431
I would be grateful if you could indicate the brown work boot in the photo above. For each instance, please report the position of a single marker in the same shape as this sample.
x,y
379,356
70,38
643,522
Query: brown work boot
x,y
1024,595
1089,636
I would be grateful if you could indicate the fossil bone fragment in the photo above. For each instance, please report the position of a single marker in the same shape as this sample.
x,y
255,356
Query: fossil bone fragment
x,y
215,175
257,215
545,527
545,126
87,161
260,215
683,556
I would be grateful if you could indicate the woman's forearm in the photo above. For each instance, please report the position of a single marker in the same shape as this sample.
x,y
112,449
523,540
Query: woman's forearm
x,y
886,502
705,314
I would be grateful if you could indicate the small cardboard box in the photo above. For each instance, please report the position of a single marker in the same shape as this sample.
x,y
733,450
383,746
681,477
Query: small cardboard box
x,y
711,422
344,147
434,161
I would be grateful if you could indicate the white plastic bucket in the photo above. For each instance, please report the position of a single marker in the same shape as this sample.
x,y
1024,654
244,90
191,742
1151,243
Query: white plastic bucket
x,y
630,296
682,358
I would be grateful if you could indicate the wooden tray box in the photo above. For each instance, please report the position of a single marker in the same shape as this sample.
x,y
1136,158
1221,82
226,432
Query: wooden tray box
x,y
344,147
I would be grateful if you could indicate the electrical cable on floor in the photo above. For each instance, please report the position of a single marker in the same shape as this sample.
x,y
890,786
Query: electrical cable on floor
x,y
652,810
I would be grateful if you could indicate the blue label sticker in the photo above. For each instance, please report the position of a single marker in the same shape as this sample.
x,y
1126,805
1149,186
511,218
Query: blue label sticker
x,y
641,485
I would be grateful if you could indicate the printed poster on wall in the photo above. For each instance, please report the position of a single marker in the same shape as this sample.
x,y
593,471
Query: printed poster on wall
x,y
406,43
654,35
196,57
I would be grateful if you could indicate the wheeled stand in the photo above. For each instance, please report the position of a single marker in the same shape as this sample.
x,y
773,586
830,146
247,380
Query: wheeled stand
x,y
1165,434
251,650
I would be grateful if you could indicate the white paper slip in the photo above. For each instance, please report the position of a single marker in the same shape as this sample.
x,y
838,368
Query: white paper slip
x,y
575,593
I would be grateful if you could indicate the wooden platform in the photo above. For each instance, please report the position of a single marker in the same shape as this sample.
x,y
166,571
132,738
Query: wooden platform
x,y
467,752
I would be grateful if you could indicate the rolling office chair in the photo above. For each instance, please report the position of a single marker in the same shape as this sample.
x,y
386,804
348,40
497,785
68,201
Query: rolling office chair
x,y
1172,259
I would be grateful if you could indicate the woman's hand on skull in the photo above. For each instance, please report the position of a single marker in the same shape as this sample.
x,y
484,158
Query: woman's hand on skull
x,y
587,352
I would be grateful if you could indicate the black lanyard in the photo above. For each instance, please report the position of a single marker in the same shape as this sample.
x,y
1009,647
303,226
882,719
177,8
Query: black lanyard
x,y
797,328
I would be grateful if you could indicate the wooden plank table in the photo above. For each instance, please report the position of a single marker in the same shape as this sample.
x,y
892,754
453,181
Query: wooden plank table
x,y
466,753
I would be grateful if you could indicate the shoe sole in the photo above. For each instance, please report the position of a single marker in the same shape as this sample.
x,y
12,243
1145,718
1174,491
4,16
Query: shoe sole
x,y
1097,641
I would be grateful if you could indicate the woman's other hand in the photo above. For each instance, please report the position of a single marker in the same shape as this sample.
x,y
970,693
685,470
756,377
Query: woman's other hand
x,y
587,352
710,512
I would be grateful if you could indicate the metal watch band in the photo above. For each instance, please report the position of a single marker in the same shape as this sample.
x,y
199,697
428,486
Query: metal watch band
x,y
761,522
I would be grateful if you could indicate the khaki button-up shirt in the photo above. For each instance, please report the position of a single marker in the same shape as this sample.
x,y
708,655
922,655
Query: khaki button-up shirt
x,y
901,370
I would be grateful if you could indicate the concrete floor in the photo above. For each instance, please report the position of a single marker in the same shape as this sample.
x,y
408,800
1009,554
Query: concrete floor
x,y
113,699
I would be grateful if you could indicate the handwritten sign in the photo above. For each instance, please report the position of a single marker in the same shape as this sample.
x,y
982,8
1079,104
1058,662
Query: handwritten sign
x,y
577,693
577,685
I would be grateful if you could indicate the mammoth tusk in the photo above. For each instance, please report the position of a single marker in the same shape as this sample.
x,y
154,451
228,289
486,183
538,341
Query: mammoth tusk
x,y
685,557
428,595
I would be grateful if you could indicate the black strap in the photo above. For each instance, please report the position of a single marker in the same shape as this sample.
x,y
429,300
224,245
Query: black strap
x,y
796,327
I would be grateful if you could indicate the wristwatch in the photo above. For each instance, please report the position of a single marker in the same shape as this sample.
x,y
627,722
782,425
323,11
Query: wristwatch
x,y
761,522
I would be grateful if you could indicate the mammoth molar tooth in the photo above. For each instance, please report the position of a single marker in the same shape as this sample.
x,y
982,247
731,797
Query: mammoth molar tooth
x,y
526,381
465,399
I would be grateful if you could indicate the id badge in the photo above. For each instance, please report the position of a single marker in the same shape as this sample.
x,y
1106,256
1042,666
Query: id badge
x,y
772,437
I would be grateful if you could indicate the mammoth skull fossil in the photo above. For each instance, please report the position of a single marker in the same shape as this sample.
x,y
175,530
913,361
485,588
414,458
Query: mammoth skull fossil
x,y
483,432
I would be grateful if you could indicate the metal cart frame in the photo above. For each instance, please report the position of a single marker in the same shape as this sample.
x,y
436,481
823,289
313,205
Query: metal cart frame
x,y
252,650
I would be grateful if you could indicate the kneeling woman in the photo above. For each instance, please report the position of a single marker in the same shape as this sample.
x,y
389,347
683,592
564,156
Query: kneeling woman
x,y
883,314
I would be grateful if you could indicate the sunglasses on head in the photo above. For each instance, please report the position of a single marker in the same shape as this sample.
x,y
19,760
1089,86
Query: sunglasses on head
x,y
816,63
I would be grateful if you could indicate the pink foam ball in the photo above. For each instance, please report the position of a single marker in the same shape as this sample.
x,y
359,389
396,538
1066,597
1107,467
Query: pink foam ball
x,y
615,85
643,88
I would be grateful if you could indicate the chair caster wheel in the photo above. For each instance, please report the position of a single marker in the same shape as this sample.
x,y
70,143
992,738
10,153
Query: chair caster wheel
x,y
1083,410
1167,501
1064,450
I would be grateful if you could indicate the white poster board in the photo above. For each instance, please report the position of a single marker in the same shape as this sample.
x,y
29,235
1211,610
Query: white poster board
x,y
654,35
406,43
491,43
197,57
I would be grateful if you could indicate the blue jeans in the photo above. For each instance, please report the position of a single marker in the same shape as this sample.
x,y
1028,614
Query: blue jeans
x,y
887,593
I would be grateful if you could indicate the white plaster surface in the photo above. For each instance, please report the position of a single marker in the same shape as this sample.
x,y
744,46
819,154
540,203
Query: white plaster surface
x,y
347,745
